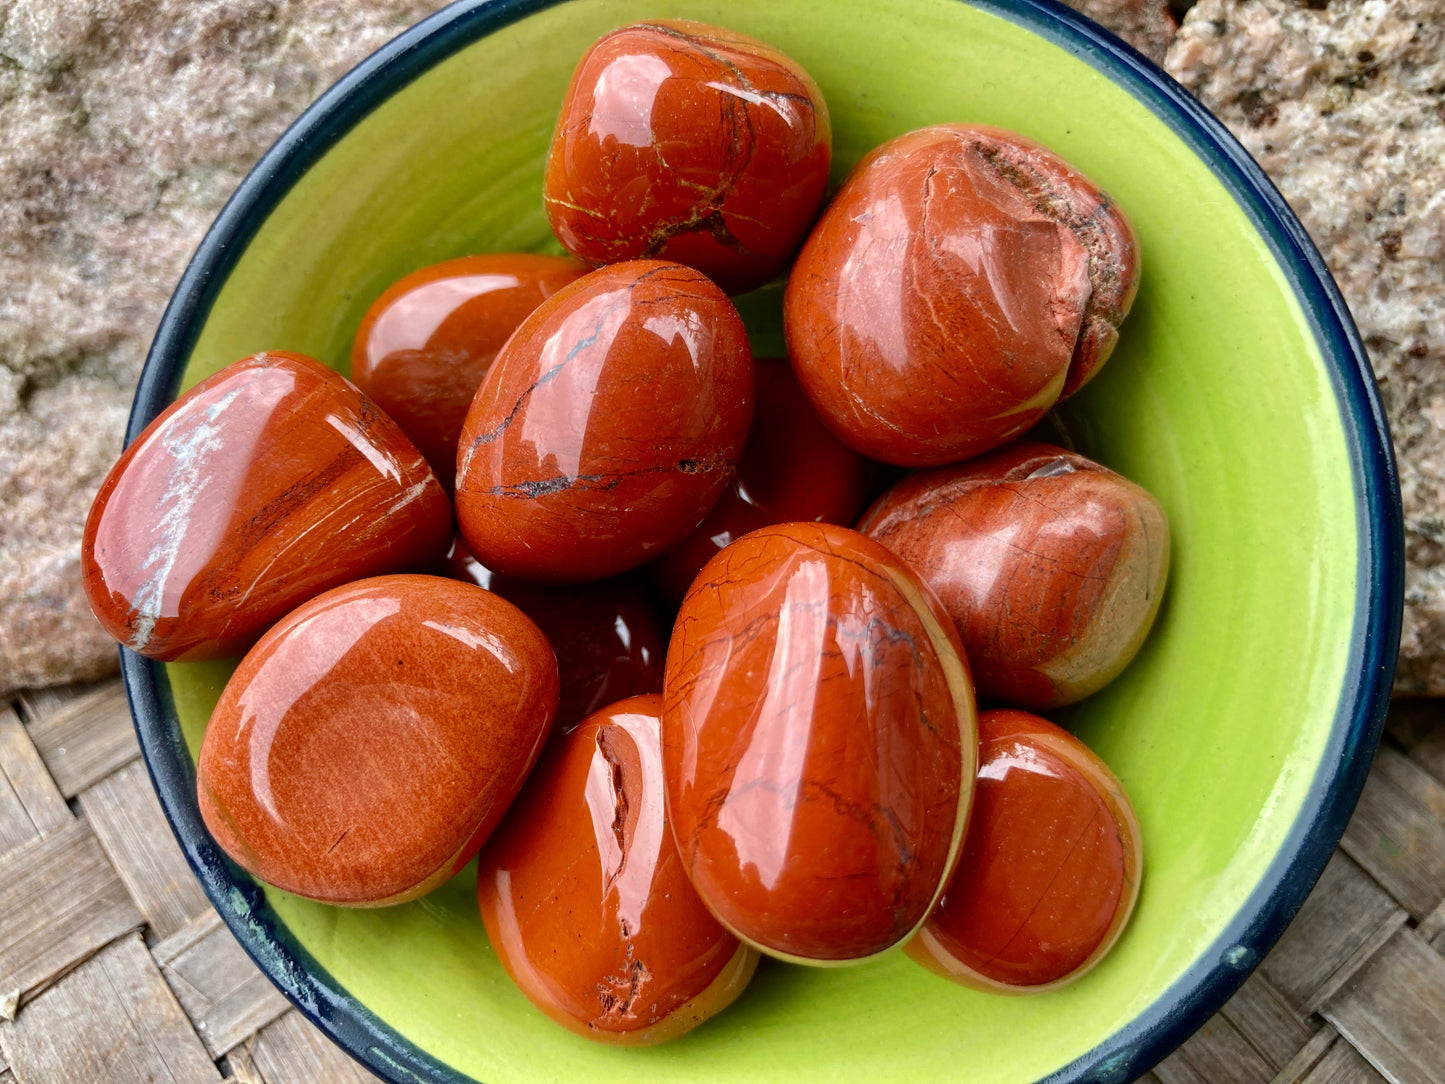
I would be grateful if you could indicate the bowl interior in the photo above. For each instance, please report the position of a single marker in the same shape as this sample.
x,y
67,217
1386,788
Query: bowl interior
x,y
1218,400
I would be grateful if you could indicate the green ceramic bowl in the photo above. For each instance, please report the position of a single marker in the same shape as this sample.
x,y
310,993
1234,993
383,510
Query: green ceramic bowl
x,y
1239,395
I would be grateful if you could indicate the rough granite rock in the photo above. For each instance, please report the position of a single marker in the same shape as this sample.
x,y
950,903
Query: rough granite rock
x,y
126,124
1147,25
1344,106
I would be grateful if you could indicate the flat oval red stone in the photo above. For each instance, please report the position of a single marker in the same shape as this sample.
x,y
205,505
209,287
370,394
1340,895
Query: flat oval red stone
x,y
793,469
586,902
818,741
426,343
1051,566
1050,869
961,281
607,427
259,488
687,142
607,635
367,745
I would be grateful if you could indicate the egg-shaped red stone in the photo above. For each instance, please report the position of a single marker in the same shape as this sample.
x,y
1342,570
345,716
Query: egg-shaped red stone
x,y
586,901
961,281
793,469
368,744
426,343
688,142
1050,868
1051,566
819,741
608,425
259,488
607,635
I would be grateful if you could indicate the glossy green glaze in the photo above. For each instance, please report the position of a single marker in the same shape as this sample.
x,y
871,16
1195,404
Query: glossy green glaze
x,y
1217,401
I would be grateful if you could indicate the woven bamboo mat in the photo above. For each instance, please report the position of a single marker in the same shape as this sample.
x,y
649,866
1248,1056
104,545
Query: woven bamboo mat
x,y
114,968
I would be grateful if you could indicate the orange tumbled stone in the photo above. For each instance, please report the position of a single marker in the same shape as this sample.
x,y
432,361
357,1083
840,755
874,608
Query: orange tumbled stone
x,y
261,487
426,343
1050,869
1051,566
961,281
586,902
607,426
368,744
687,142
819,743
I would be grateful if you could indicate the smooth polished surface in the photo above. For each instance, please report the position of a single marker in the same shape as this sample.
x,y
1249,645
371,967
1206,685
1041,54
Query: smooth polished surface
x,y
792,469
1271,475
261,487
608,426
426,343
819,742
585,899
367,745
608,638
961,281
1050,868
688,142
1051,566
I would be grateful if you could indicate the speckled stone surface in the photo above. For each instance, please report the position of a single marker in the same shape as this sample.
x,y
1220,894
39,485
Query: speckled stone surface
x,y
1344,106
126,125
1147,25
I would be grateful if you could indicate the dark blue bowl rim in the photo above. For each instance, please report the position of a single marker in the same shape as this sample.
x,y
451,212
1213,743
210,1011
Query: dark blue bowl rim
x,y
1374,641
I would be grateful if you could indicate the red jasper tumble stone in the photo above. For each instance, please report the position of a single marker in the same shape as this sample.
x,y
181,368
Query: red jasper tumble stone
x,y
608,638
687,142
607,427
818,740
1050,869
586,902
426,343
793,469
368,744
259,488
1051,566
961,281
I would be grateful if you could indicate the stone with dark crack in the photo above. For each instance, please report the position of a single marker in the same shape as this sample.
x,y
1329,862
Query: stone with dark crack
x,y
587,847
688,142
607,427
963,280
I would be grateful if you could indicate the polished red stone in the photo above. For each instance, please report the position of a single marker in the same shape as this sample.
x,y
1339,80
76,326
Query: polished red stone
x,y
609,641
818,741
961,281
425,344
687,142
585,899
793,469
1051,566
368,744
1050,869
261,487
607,427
